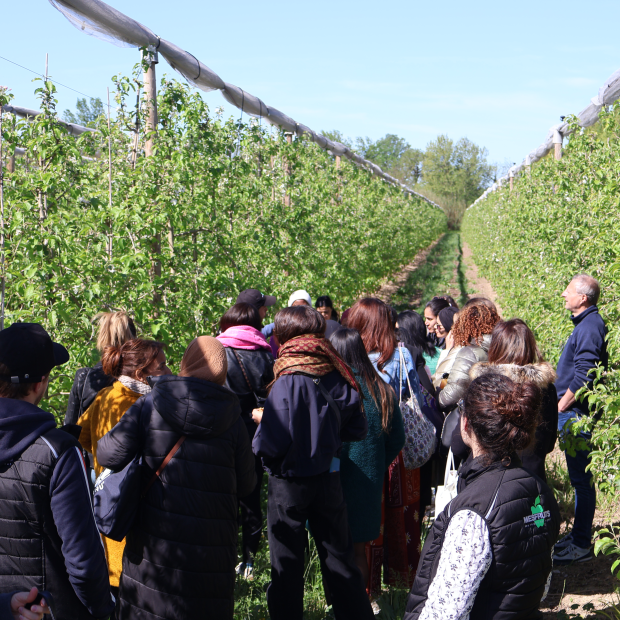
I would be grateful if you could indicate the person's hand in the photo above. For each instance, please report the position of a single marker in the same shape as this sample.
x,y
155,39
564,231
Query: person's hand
x,y
257,415
19,602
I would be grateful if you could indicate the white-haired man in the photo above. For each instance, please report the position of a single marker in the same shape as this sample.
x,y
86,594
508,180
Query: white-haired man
x,y
585,348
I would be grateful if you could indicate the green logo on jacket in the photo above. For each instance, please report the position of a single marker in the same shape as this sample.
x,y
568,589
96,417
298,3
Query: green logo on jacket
x,y
538,516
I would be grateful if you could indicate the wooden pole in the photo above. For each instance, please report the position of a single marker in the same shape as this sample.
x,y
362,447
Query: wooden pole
x,y
337,162
287,169
2,265
512,176
557,143
110,234
150,92
558,151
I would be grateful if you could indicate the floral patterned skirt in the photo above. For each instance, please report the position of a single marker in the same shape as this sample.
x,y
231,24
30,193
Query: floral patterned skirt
x,y
397,550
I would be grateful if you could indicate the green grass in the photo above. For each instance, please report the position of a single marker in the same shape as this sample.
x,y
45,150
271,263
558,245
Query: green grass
x,y
442,273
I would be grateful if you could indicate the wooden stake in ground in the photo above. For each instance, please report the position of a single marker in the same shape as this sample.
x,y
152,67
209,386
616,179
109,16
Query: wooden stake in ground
x,y
2,265
287,170
110,234
150,92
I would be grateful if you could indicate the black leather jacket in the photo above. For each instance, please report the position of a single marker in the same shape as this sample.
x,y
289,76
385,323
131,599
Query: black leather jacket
x,y
258,366
87,384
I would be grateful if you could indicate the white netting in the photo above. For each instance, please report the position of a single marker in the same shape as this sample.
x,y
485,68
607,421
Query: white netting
x,y
608,93
74,130
104,22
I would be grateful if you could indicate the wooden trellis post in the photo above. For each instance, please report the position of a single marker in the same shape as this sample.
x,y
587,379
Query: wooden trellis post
x,y
150,93
287,170
557,143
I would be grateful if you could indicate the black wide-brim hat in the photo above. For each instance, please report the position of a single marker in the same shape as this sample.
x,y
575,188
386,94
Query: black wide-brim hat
x,y
28,352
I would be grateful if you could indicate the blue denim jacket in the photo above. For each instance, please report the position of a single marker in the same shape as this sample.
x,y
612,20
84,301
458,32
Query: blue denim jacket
x,y
391,374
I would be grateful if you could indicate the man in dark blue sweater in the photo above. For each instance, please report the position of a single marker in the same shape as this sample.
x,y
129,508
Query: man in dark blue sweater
x,y
585,348
48,537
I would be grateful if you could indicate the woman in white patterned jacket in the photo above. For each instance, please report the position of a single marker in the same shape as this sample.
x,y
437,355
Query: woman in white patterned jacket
x,y
488,555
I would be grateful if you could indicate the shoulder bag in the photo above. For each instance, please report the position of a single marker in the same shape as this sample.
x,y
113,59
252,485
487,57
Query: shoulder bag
x,y
259,401
117,495
447,492
420,433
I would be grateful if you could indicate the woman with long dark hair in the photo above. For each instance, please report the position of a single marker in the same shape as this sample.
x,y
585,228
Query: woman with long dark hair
x,y
412,331
325,306
401,538
514,353
488,554
363,464
250,371
313,406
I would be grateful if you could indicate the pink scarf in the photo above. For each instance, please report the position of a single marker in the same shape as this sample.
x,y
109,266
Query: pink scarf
x,y
243,337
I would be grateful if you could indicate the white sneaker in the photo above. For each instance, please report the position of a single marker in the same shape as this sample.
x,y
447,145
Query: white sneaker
x,y
563,542
572,553
248,573
376,610
240,568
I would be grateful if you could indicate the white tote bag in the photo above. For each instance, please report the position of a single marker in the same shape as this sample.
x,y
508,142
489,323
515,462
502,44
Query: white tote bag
x,y
446,493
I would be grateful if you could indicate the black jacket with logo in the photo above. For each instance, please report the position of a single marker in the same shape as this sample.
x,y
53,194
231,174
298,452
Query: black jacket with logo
x,y
508,499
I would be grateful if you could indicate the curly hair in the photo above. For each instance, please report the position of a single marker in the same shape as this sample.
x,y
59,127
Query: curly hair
x,y
474,322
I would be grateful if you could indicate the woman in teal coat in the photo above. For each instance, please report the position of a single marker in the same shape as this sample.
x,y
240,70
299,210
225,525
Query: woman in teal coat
x,y
363,463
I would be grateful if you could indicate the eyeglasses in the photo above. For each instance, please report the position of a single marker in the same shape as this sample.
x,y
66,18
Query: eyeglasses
x,y
461,406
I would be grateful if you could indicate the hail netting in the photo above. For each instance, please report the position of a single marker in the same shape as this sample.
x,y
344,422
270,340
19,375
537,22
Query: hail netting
x,y
104,22
607,94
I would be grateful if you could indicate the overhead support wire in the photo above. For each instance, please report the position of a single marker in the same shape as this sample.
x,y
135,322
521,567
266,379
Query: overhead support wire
x,y
99,19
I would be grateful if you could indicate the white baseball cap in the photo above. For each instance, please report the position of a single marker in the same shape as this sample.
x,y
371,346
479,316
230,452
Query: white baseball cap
x,y
300,295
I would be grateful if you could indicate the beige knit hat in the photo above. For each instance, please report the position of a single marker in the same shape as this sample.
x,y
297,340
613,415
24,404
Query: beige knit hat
x,y
205,358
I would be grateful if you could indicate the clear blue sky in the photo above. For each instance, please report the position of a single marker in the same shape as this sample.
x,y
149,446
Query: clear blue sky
x,y
497,73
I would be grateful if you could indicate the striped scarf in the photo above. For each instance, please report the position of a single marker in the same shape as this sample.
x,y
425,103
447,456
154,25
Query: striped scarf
x,y
314,355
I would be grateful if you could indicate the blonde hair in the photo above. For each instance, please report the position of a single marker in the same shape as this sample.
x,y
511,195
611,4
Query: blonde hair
x,y
115,328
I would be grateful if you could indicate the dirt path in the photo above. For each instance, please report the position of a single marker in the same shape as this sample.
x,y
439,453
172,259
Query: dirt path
x,y
480,286
387,290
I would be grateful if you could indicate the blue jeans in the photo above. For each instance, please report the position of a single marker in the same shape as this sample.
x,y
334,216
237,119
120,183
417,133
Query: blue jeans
x,y
581,481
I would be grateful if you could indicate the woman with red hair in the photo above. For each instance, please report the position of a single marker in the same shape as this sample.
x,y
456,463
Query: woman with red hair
x,y
401,530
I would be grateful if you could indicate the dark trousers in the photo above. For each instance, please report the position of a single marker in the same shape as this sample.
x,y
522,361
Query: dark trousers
x,y
585,495
252,516
319,501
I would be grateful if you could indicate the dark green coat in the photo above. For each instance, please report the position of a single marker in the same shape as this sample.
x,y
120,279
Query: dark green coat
x,y
363,466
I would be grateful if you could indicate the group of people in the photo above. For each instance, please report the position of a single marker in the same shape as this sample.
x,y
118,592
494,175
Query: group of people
x,y
314,402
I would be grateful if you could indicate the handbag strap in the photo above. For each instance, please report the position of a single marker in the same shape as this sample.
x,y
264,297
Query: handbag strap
x,y
449,466
245,374
402,365
165,462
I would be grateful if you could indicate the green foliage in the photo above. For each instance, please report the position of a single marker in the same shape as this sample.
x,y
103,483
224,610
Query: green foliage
x,y
87,112
440,274
189,227
394,155
559,221
455,174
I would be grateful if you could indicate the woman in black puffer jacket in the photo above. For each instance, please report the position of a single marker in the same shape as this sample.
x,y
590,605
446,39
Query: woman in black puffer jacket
x,y
250,371
180,556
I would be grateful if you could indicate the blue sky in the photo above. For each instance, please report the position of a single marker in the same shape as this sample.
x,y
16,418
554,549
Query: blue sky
x,y
499,74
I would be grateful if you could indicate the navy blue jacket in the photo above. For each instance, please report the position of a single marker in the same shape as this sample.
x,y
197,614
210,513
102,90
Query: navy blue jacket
x,y
584,349
21,424
298,434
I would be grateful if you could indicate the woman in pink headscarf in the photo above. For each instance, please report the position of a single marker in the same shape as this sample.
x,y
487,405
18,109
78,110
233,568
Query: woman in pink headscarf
x,y
250,371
